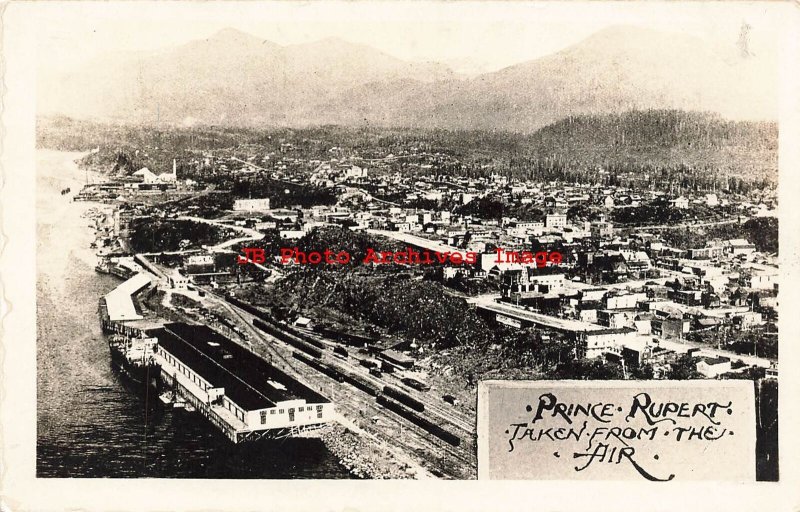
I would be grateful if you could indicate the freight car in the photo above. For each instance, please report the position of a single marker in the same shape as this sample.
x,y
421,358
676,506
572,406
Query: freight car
x,y
300,334
361,383
418,420
404,398
319,366
368,363
416,384
304,337
397,358
247,307
347,338
287,338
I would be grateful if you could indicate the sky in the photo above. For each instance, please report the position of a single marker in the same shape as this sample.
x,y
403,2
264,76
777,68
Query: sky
x,y
471,37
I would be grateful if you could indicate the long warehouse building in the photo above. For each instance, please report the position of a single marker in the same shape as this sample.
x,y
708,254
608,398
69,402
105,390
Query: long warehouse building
x,y
119,301
239,392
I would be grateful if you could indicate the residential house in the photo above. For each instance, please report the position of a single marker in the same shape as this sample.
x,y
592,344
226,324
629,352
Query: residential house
x,y
712,367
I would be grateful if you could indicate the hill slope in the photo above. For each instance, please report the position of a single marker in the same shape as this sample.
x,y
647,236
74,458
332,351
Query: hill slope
x,y
237,79
232,77
668,143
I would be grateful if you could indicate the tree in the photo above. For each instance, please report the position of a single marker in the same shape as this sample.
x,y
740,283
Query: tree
x,y
642,372
684,368
589,369
763,232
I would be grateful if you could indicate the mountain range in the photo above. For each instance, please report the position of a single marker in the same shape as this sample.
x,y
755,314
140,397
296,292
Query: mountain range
x,y
237,79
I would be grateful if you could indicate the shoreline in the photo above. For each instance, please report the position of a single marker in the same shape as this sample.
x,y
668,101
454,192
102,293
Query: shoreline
x,y
73,372
366,457
78,213
356,451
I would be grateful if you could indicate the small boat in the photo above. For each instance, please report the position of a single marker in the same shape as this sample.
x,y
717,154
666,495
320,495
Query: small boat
x,y
133,356
177,401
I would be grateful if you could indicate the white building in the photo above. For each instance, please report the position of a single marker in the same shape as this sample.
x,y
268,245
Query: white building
x,y
556,221
291,234
356,172
681,203
713,366
740,246
623,300
199,259
147,175
178,280
251,205
599,342
761,280
239,393
748,319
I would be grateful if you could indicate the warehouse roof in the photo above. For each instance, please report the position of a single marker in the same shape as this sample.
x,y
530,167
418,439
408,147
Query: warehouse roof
x,y
119,301
249,381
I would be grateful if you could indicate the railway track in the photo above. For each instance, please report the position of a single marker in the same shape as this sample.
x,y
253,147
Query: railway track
x,y
459,420
462,422
436,454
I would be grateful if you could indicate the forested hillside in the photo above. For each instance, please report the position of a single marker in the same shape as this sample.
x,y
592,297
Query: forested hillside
x,y
667,149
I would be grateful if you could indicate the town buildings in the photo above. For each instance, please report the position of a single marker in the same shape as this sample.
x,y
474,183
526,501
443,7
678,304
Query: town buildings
x,y
612,288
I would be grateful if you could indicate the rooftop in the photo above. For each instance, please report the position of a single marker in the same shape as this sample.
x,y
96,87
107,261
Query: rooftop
x,y
711,361
119,303
417,241
249,381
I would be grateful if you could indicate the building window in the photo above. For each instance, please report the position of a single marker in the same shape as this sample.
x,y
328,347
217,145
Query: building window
x,y
272,411
263,417
319,414
280,412
300,409
319,408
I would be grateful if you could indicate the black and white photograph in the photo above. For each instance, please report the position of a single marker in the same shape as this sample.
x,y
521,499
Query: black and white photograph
x,y
406,241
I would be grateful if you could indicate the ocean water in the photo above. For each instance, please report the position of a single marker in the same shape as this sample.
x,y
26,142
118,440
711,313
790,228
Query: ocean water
x,y
92,422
